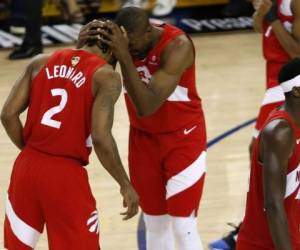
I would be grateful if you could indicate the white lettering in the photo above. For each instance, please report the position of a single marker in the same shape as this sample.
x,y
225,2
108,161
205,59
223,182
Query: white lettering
x,y
77,77
56,71
48,74
69,72
62,71
81,82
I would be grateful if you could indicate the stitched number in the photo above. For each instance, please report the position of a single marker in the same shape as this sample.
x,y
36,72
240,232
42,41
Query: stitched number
x,y
47,117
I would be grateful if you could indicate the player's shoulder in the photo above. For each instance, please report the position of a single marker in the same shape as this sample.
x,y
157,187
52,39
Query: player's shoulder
x,y
40,59
180,42
179,52
278,131
106,78
37,63
107,72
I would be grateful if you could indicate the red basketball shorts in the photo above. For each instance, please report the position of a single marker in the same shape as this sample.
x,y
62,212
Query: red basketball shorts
x,y
51,191
274,95
168,170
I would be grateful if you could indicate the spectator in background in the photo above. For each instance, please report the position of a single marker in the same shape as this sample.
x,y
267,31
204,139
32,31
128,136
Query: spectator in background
x,y
17,17
161,8
32,42
238,8
71,11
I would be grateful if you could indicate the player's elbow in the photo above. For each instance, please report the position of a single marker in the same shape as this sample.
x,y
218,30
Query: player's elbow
x,y
100,141
144,111
97,142
5,116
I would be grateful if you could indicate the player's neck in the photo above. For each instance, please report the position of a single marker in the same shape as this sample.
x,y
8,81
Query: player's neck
x,y
96,51
292,106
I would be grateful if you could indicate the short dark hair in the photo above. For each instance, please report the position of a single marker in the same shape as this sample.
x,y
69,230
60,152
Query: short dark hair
x,y
289,70
133,19
101,45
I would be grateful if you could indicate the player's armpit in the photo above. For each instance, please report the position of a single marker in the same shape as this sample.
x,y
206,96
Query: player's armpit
x,y
276,145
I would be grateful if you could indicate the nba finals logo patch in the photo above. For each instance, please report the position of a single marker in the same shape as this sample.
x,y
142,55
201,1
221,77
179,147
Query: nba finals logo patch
x,y
75,60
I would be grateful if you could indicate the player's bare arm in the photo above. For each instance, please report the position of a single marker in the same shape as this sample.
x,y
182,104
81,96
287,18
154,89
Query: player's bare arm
x,y
276,147
18,101
106,90
289,41
261,7
147,98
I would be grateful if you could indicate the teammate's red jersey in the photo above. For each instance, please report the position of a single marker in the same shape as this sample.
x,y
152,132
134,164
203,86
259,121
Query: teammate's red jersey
x,y
59,114
275,57
255,233
182,107
272,49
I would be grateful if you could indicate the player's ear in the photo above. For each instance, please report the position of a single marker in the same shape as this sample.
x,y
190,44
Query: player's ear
x,y
296,92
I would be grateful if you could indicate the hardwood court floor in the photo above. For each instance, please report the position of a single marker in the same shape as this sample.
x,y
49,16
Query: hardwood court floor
x,y
230,79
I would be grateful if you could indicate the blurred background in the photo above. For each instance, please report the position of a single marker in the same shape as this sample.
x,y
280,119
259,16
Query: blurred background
x,y
61,19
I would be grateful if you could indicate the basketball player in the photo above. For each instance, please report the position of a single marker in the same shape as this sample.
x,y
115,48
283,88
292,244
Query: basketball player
x,y
279,22
70,97
273,209
167,141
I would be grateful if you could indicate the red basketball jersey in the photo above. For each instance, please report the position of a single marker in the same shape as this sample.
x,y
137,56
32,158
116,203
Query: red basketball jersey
x,y
182,107
272,49
59,114
255,233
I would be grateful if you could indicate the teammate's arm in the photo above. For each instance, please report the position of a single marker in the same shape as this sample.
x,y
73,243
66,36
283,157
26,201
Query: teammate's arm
x,y
18,100
147,98
276,146
290,42
175,59
106,90
261,7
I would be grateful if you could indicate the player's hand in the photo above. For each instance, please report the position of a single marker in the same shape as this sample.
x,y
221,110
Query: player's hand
x,y
262,7
117,40
89,31
130,201
255,4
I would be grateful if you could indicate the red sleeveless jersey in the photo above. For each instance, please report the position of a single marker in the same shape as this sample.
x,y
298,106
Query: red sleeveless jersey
x,y
255,233
182,107
272,49
59,114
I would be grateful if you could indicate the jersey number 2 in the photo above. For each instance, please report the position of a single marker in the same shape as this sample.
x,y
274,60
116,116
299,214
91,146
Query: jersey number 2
x,y
47,117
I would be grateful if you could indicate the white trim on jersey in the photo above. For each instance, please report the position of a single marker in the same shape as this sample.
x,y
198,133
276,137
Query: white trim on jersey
x,y
188,177
89,141
255,133
273,95
180,94
285,8
25,233
292,182
287,86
